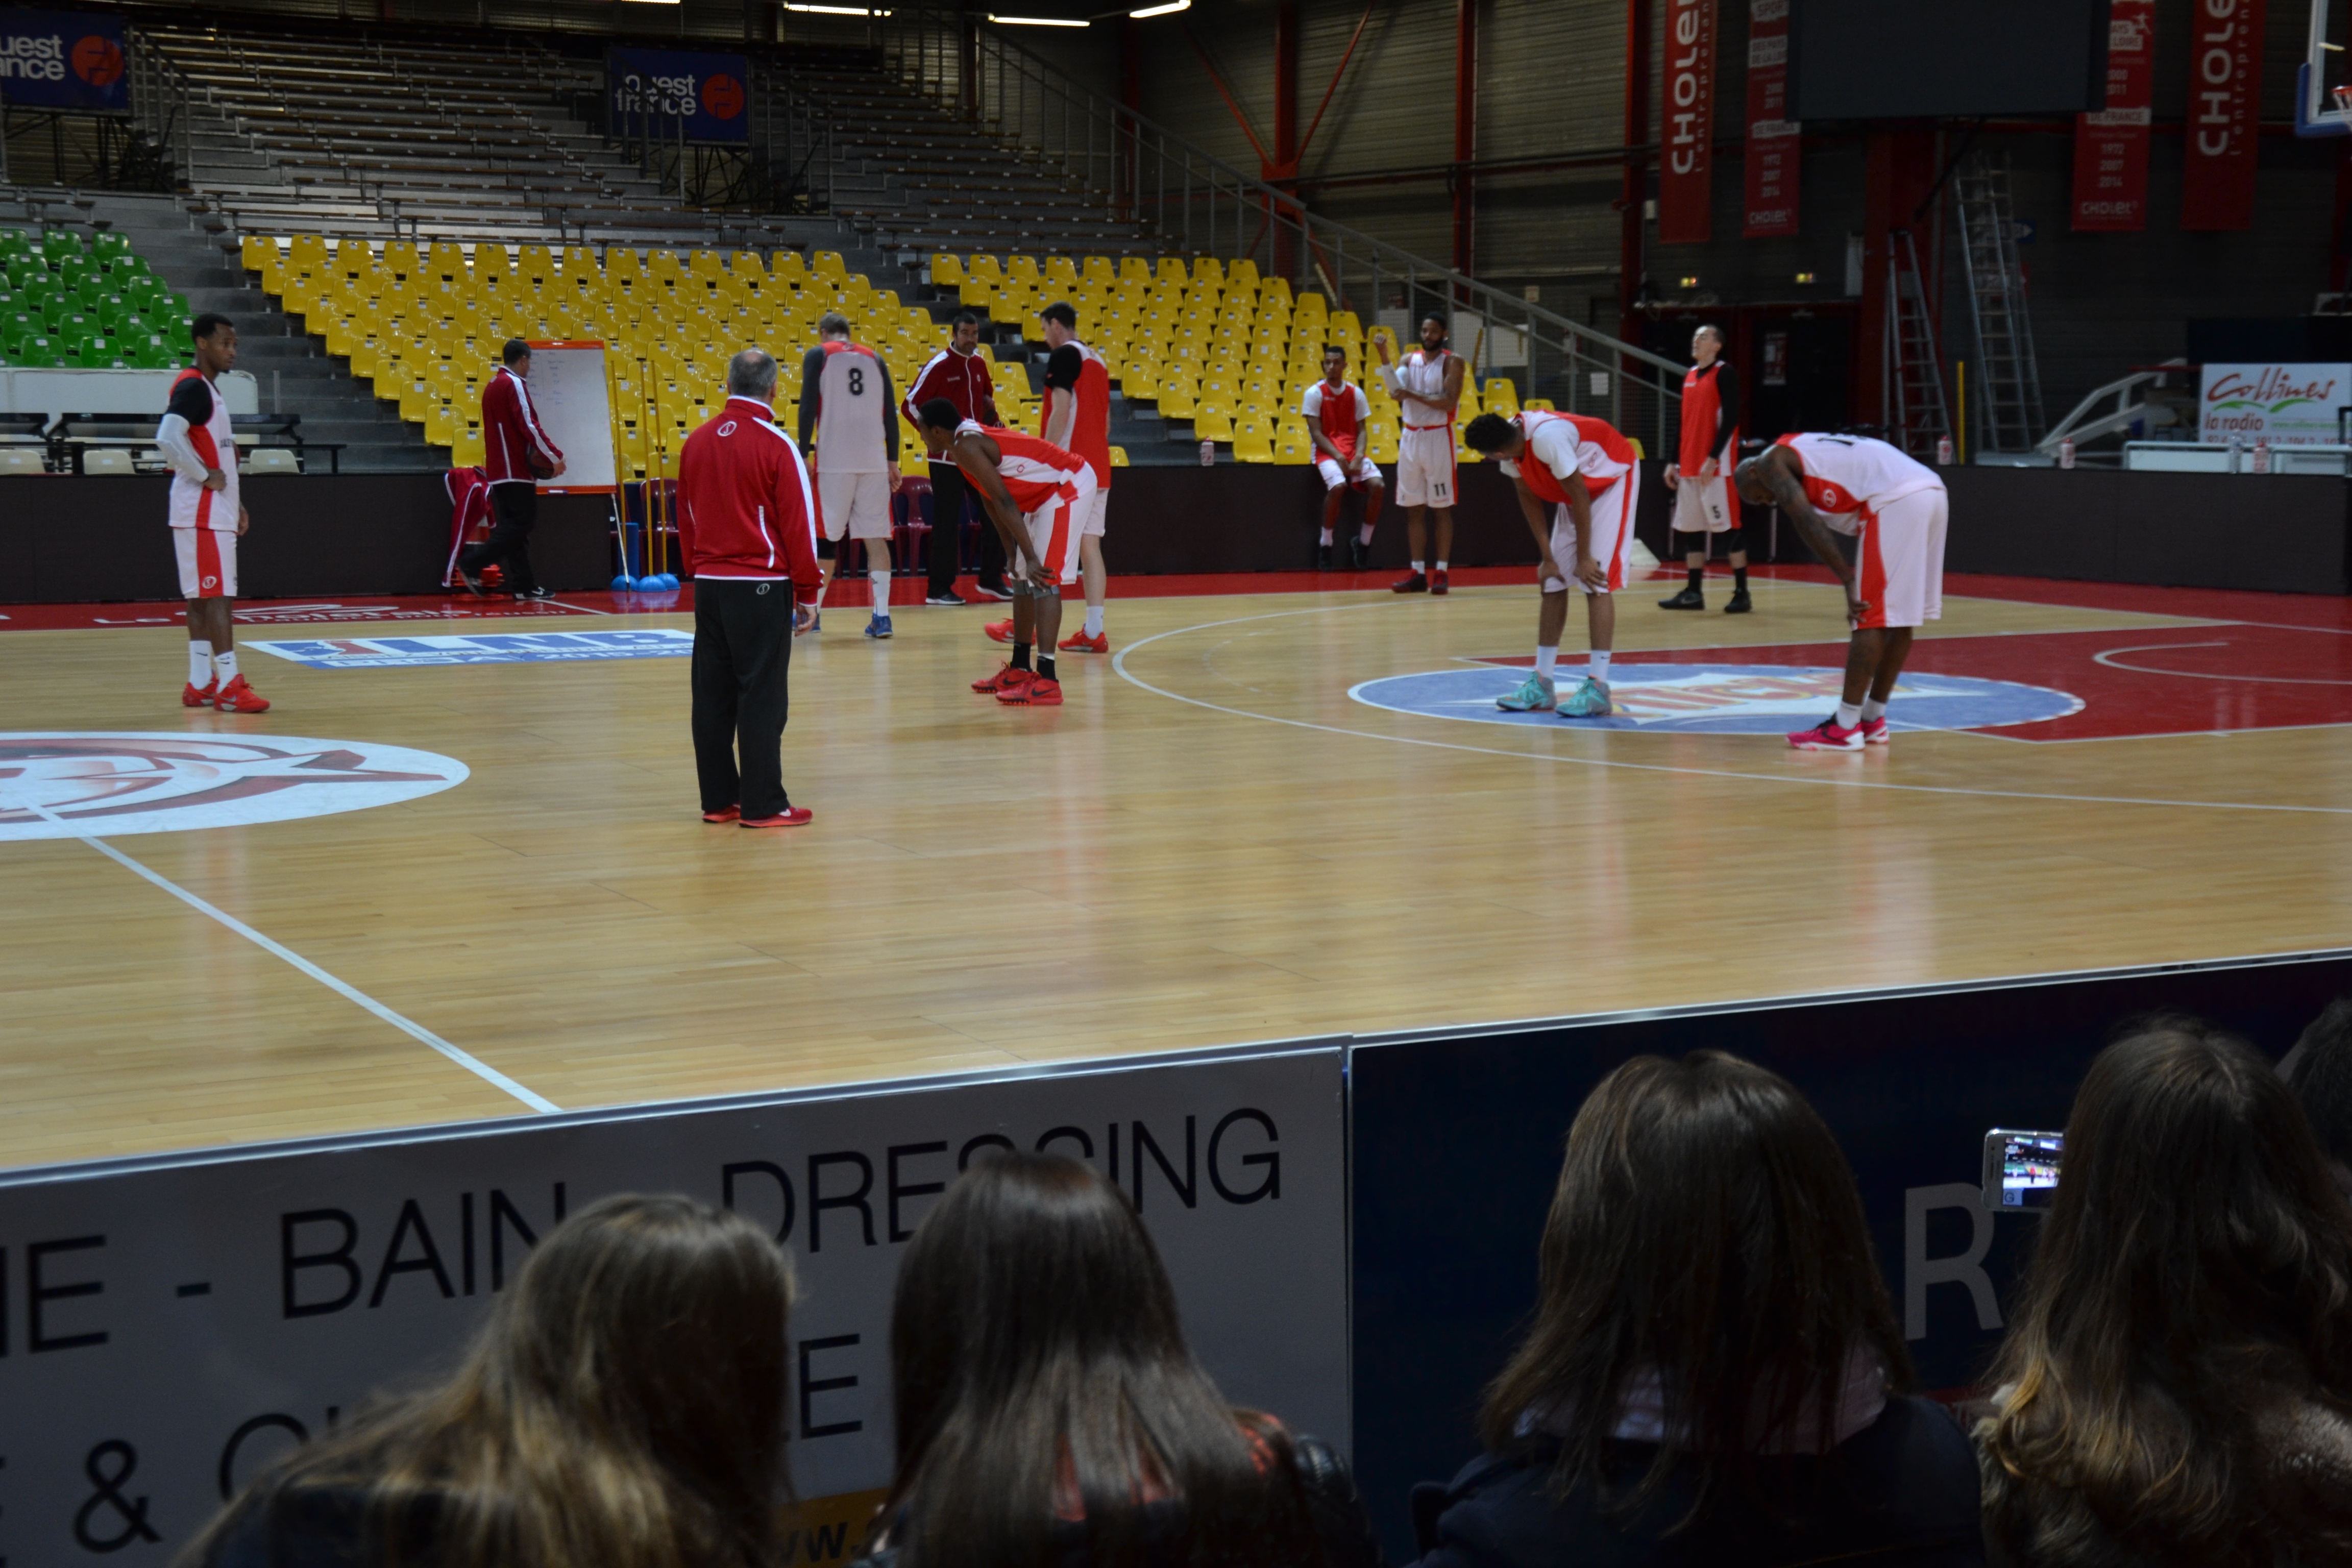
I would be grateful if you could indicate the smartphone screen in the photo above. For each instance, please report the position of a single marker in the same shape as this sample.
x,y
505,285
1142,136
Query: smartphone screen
x,y
2020,1169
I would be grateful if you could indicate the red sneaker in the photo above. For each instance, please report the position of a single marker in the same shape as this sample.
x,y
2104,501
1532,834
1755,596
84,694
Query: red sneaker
x,y
1875,731
724,814
999,631
1004,679
791,817
191,698
1829,735
1039,692
1412,583
237,697
1437,583
1078,642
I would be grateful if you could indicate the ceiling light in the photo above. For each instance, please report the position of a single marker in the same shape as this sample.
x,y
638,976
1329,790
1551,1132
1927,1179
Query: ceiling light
x,y
1168,9
1804,277
1690,282
1036,21
833,10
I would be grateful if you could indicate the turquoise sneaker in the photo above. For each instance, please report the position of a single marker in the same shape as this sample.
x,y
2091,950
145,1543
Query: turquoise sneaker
x,y
1535,695
1588,700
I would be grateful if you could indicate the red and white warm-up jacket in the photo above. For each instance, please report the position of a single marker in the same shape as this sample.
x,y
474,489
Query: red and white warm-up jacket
x,y
744,509
510,430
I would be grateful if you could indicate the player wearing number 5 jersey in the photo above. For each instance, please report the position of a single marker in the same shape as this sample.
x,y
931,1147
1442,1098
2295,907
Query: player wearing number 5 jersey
x,y
849,428
1586,473
1897,508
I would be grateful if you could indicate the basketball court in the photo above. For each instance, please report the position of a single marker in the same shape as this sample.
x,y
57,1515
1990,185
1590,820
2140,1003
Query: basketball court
x,y
457,870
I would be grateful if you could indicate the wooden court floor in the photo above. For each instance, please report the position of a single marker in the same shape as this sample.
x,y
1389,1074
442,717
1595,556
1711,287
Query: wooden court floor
x,y
1213,842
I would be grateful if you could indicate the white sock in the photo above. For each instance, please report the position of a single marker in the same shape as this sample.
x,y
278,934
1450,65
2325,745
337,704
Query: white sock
x,y
200,662
1326,540
1849,715
1440,567
1872,708
1600,670
1364,534
226,663
1094,620
1418,565
1546,659
882,593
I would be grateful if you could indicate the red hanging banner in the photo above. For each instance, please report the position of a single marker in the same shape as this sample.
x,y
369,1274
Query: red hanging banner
x,y
2111,144
2225,86
1685,173
1768,204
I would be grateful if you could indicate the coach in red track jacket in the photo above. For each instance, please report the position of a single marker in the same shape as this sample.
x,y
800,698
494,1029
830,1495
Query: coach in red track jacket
x,y
957,373
747,522
512,440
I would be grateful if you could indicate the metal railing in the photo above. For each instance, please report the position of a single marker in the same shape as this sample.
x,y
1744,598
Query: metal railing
x,y
1191,202
162,101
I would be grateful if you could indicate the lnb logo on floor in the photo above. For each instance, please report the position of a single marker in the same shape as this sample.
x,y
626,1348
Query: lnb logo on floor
x,y
76,784
486,647
1718,699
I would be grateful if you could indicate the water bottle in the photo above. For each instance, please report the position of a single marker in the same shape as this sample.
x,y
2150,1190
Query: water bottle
x,y
2237,453
2066,453
1944,452
1208,454
2262,454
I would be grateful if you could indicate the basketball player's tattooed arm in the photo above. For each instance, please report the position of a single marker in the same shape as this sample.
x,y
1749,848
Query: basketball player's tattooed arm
x,y
1784,490
979,468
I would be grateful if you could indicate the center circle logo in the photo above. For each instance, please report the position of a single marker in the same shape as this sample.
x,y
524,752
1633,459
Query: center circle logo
x,y
71,783
1720,698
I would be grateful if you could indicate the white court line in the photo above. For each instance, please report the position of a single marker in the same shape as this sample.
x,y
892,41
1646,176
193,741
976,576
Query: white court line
x,y
1118,663
472,1063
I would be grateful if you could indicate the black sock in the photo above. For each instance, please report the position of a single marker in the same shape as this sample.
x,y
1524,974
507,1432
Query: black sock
x,y
1045,666
1739,579
1697,576
1021,656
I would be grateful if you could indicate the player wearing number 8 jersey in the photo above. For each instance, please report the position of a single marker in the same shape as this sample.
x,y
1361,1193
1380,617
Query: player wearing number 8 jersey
x,y
1037,494
849,427
1587,474
1897,509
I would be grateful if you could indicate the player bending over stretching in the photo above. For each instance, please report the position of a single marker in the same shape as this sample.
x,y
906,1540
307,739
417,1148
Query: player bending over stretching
x,y
1588,473
1038,496
1335,409
1851,484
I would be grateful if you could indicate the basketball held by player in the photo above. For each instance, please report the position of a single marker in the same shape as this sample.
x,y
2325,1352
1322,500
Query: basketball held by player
x,y
1897,509
1336,410
1037,494
849,428
207,519
1427,385
1587,475
1701,475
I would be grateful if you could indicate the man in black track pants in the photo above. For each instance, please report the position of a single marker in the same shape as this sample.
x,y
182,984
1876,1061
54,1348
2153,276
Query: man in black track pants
x,y
959,374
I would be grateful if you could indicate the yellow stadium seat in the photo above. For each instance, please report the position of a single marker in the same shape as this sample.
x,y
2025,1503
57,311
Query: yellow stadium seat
x,y
258,251
401,259
828,264
1177,400
1172,272
1543,403
786,267
1098,269
1251,448
1061,269
1212,421
1502,395
1243,271
1134,270
621,264
1635,442
1119,457
1207,269
1291,449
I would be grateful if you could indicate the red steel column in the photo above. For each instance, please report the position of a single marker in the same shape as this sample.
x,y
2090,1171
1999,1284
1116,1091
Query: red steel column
x,y
1465,134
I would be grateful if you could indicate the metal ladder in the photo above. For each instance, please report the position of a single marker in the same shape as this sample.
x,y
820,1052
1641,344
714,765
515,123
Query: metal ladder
x,y
2008,377
1914,414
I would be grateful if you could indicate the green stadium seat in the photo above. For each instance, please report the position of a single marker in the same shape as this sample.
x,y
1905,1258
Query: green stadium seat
x,y
38,353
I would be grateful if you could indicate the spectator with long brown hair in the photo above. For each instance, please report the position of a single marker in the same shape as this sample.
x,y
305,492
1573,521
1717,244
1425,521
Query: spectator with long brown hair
x,y
1714,1374
1049,1412
624,1408
2176,1387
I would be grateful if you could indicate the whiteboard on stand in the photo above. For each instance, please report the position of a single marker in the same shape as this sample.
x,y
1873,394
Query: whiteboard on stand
x,y
574,400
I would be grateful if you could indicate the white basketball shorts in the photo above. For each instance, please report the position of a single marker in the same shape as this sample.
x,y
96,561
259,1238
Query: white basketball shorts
x,y
1055,528
1425,466
1096,508
207,562
854,506
1703,508
1902,560
1367,473
1613,530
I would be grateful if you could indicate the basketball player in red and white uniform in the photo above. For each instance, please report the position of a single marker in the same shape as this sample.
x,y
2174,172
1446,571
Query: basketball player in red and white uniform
x,y
1701,479
1427,385
1587,476
1335,409
1038,495
1897,507
1075,417
207,519
849,428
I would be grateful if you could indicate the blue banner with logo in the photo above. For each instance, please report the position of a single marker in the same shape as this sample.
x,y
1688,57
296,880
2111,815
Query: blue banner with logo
x,y
710,90
62,60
